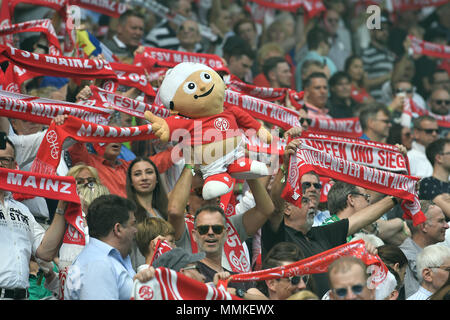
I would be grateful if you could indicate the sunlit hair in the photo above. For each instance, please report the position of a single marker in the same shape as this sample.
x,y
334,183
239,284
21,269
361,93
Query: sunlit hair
x,y
75,171
149,229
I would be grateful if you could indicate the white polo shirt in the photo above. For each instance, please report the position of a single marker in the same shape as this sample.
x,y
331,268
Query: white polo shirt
x,y
20,236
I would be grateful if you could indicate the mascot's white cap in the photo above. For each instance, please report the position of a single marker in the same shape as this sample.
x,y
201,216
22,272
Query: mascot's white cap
x,y
175,77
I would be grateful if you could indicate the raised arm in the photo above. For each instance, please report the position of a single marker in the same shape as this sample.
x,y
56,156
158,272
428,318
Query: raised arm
x,y
178,199
369,214
255,218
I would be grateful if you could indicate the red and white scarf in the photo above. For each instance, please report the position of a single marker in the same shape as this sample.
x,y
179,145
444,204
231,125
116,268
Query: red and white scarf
x,y
170,58
411,110
160,248
404,5
132,76
44,64
263,110
319,264
312,7
112,8
14,77
369,153
49,153
429,48
345,127
42,110
44,25
52,187
168,284
324,164
126,105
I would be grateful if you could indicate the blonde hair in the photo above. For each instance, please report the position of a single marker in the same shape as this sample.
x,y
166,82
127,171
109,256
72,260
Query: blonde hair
x,y
304,295
75,171
91,191
149,229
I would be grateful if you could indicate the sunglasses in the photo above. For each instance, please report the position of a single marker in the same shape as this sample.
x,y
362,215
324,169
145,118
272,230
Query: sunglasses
x,y
342,292
365,195
409,90
307,185
308,121
429,131
204,229
442,101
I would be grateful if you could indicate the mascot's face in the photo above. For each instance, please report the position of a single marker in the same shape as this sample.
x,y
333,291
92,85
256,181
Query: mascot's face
x,y
200,95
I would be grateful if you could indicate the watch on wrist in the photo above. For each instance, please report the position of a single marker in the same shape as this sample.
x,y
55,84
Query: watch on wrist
x,y
394,199
59,211
240,293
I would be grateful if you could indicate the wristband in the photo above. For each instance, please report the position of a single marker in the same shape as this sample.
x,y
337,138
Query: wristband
x,y
190,167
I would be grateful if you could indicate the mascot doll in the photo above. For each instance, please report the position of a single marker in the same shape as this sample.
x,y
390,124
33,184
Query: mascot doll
x,y
195,94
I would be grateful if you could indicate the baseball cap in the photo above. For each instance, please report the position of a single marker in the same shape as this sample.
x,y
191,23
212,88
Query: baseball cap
x,y
177,258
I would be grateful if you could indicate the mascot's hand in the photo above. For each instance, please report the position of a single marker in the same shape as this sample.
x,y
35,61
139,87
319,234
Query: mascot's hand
x,y
159,126
264,135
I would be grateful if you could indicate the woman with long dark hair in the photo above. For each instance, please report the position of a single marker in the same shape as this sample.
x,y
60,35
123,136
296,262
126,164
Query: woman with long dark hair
x,y
354,68
145,187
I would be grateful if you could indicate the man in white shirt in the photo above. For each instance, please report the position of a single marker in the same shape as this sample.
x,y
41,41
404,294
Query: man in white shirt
x,y
425,131
21,236
433,268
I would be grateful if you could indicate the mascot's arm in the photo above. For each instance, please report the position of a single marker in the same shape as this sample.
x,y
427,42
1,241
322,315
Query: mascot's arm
x,y
159,126
246,121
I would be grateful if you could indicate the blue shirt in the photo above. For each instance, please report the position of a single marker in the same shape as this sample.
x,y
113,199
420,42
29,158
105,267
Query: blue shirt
x,y
99,273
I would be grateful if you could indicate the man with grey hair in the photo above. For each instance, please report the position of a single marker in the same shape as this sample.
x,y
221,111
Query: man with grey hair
x,y
430,232
433,270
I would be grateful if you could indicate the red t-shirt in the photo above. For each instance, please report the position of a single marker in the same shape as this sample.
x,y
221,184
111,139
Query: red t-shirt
x,y
213,128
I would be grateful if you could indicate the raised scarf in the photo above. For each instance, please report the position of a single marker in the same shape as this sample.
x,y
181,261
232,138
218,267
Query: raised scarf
x,y
324,164
112,8
319,264
429,48
168,284
49,153
44,64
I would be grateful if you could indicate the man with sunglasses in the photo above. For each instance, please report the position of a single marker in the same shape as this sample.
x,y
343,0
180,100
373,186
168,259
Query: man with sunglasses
x,y
348,280
439,102
296,224
425,131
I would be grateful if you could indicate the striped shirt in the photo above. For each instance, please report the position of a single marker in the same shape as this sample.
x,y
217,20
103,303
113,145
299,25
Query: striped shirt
x,y
377,62
163,36
421,294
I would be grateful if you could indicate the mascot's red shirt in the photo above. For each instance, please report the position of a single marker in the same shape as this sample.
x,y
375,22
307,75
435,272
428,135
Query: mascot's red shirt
x,y
213,128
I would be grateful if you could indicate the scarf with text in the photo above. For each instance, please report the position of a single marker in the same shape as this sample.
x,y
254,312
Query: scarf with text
x,y
112,8
429,48
49,153
404,5
265,93
126,105
369,153
319,264
44,64
42,110
344,127
52,187
132,76
170,58
324,164
43,25
270,112
168,284
312,7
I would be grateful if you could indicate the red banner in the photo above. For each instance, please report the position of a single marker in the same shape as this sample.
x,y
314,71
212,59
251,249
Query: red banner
x,y
110,8
345,127
429,48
